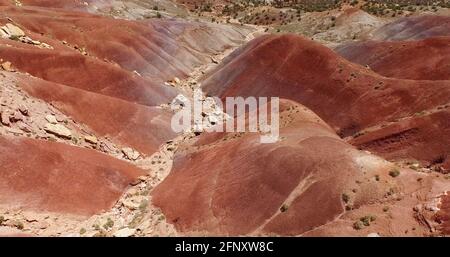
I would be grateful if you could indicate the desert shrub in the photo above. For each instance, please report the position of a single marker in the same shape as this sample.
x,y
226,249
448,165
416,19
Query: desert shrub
x,y
109,224
394,173
366,220
358,225
377,177
345,198
354,2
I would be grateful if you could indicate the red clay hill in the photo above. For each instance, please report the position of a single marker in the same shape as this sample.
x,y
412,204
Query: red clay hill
x,y
110,73
427,59
138,56
106,76
231,184
47,176
349,97
414,28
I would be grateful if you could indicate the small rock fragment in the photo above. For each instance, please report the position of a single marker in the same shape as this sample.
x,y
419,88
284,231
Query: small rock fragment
x,y
142,178
3,33
17,116
30,217
51,119
125,232
25,128
23,109
58,130
42,224
7,66
106,147
130,153
418,208
4,118
14,31
91,139
179,101
130,204
132,191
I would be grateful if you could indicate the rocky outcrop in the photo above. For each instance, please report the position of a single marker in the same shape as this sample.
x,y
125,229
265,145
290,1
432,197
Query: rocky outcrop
x,y
58,130
414,28
13,32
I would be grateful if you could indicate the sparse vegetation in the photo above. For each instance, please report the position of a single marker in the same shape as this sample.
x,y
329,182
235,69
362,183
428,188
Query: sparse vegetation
x,y
394,173
96,227
137,218
19,225
398,7
109,224
345,198
366,220
358,225
101,233
14,37
284,208
390,192
354,2
143,205
74,140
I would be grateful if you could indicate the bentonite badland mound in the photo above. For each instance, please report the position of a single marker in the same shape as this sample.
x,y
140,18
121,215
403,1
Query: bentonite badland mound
x,y
354,100
88,90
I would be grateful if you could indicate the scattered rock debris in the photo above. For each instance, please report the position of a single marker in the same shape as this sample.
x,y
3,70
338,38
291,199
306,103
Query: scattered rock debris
x,y
13,32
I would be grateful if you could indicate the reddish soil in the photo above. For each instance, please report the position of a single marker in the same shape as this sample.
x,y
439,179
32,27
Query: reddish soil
x,y
41,175
347,96
443,216
160,49
107,76
233,185
430,61
108,73
408,138
75,70
141,127
414,28
67,4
